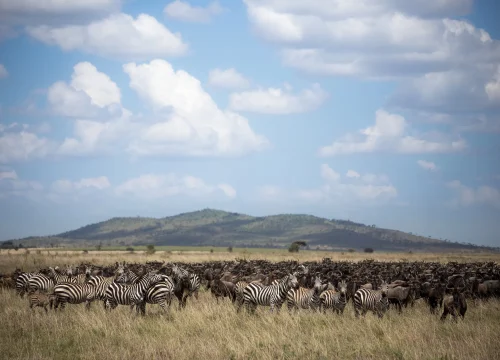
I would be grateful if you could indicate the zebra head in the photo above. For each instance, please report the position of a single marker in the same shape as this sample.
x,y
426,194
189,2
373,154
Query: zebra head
x,y
69,270
178,272
342,288
291,281
318,287
384,288
121,278
88,271
120,268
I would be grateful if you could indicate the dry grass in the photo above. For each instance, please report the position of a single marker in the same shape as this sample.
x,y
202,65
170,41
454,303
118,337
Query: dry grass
x,y
206,330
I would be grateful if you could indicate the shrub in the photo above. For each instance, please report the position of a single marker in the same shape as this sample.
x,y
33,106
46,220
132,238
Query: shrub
x,y
230,249
211,251
150,249
294,247
369,250
130,249
351,250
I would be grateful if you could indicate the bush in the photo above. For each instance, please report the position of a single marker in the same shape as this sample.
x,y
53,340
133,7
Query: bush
x,y
294,248
351,250
98,247
211,251
130,249
150,249
230,249
369,250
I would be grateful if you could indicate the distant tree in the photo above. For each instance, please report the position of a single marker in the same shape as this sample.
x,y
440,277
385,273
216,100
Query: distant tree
x,y
211,251
150,249
295,246
98,247
351,250
230,249
130,249
369,250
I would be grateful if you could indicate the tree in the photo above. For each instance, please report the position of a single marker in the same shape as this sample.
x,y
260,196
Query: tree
x,y
369,250
295,246
98,246
150,249
130,249
230,249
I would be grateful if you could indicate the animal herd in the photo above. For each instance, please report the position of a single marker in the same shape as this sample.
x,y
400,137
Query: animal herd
x,y
319,286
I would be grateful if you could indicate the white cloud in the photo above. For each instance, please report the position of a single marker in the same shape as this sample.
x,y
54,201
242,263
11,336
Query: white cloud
x,y
88,93
117,36
3,72
367,189
19,145
67,186
182,10
12,185
427,165
278,101
154,186
390,134
195,125
352,174
443,65
468,196
227,79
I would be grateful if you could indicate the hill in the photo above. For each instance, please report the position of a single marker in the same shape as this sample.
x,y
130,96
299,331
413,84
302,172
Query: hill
x,y
220,228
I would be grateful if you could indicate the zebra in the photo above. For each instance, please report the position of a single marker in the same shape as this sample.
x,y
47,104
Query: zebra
x,y
273,295
194,280
59,278
81,278
373,300
331,299
102,283
160,293
74,293
22,283
122,294
40,283
305,298
41,300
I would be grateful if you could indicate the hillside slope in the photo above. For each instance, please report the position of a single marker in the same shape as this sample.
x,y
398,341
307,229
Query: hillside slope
x,y
220,228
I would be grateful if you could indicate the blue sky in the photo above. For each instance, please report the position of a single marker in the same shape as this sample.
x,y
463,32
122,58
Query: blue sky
x,y
383,112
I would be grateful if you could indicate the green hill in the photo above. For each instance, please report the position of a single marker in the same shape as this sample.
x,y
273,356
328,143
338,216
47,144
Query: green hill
x,y
220,228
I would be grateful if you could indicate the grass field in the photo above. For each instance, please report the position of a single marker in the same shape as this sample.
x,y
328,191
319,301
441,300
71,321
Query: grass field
x,y
206,330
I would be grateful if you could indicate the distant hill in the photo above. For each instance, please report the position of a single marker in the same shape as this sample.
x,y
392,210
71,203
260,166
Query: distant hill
x,y
211,227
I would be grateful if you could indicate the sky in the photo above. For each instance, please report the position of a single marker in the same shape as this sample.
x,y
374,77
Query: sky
x,y
382,112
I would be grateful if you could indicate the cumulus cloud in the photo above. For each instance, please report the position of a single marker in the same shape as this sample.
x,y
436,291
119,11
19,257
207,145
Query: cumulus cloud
x,y
22,144
441,64
86,95
65,190
117,36
278,101
469,196
390,133
3,72
227,79
366,188
182,10
427,165
195,125
154,186
12,185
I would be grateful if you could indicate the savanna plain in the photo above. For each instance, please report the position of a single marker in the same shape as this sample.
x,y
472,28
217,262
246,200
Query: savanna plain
x,y
209,330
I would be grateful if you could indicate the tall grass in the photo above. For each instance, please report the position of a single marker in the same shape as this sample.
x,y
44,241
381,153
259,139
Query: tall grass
x,y
206,330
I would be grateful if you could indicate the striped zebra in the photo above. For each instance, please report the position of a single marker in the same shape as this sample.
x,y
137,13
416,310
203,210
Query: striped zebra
x,y
22,283
331,299
239,288
74,293
41,300
102,283
59,278
123,294
273,295
160,293
304,298
40,283
194,280
374,300
81,278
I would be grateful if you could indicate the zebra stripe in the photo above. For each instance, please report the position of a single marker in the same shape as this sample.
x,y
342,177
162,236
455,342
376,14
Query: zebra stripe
x,y
122,294
331,299
160,293
273,295
41,283
194,280
374,300
22,283
41,300
304,298
74,294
